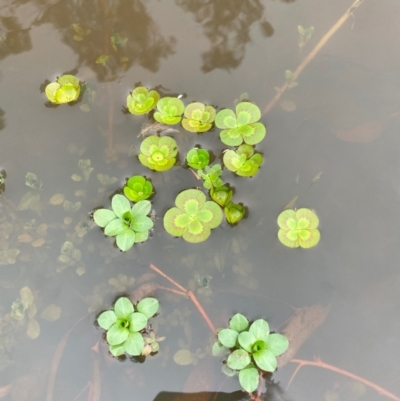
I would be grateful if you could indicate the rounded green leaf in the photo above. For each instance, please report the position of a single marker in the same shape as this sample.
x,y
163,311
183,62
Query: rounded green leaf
x,y
107,319
117,350
277,343
248,379
287,220
265,360
120,205
260,329
51,91
115,227
123,307
231,137
168,146
238,359
134,344
198,158
117,335
239,323
255,135
141,236
149,145
228,337
138,188
309,238
175,222
196,232
222,195
248,169
141,208
103,216
142,223
148,306
246,150
218,349
289,238
232,160
246,340
250,109
306,219
225,118
137,321
196,198
67,93
126,239
234,212
68,80
192,108
216,213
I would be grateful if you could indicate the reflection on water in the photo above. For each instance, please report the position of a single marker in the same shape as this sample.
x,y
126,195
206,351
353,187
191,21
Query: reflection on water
x,y
332,146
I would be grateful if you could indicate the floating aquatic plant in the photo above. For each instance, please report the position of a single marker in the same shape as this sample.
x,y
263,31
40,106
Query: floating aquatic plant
x,y
210,175
243,161
234,212
141,100
138,188
221,195
65,90
198,158
169,110
252,349
298,228
127,224
124,324
157,153
198,117
242,126
193,217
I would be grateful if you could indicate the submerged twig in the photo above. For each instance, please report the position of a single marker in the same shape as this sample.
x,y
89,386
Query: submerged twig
x,y
318,363
190,295
313,53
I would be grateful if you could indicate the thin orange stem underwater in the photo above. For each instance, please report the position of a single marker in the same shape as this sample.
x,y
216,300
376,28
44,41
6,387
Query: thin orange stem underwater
x,y
318,363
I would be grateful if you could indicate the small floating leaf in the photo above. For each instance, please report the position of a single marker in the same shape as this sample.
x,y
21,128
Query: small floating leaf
x,y
102,59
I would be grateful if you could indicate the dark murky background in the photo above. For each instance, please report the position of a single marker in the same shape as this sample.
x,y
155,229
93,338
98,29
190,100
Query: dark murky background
x,y
333,141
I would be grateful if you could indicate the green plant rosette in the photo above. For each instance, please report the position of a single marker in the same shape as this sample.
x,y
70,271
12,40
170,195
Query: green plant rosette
x,y
198,117
193,218
242,126
169,110
124,323
243,161
158,153
221,195
65,90
138,188
129,225
234,212
211,175
198,158
142,101
298,228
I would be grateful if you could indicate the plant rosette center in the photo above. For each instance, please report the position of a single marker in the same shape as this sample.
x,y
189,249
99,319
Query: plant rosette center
x,y
298,228
125,323
157,153
193,218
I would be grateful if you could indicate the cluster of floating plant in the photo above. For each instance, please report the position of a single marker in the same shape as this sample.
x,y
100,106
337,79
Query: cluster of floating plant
x,y
252,349
126,326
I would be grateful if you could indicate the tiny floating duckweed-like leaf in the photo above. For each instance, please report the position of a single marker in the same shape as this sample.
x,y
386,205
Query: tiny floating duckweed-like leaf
x,y
169,110
210,175
193,217
138,188
157,153
242,126
298,228
141,100
198,158
124,323
243,161
65,90
198,117
127,224
221,195
234,212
